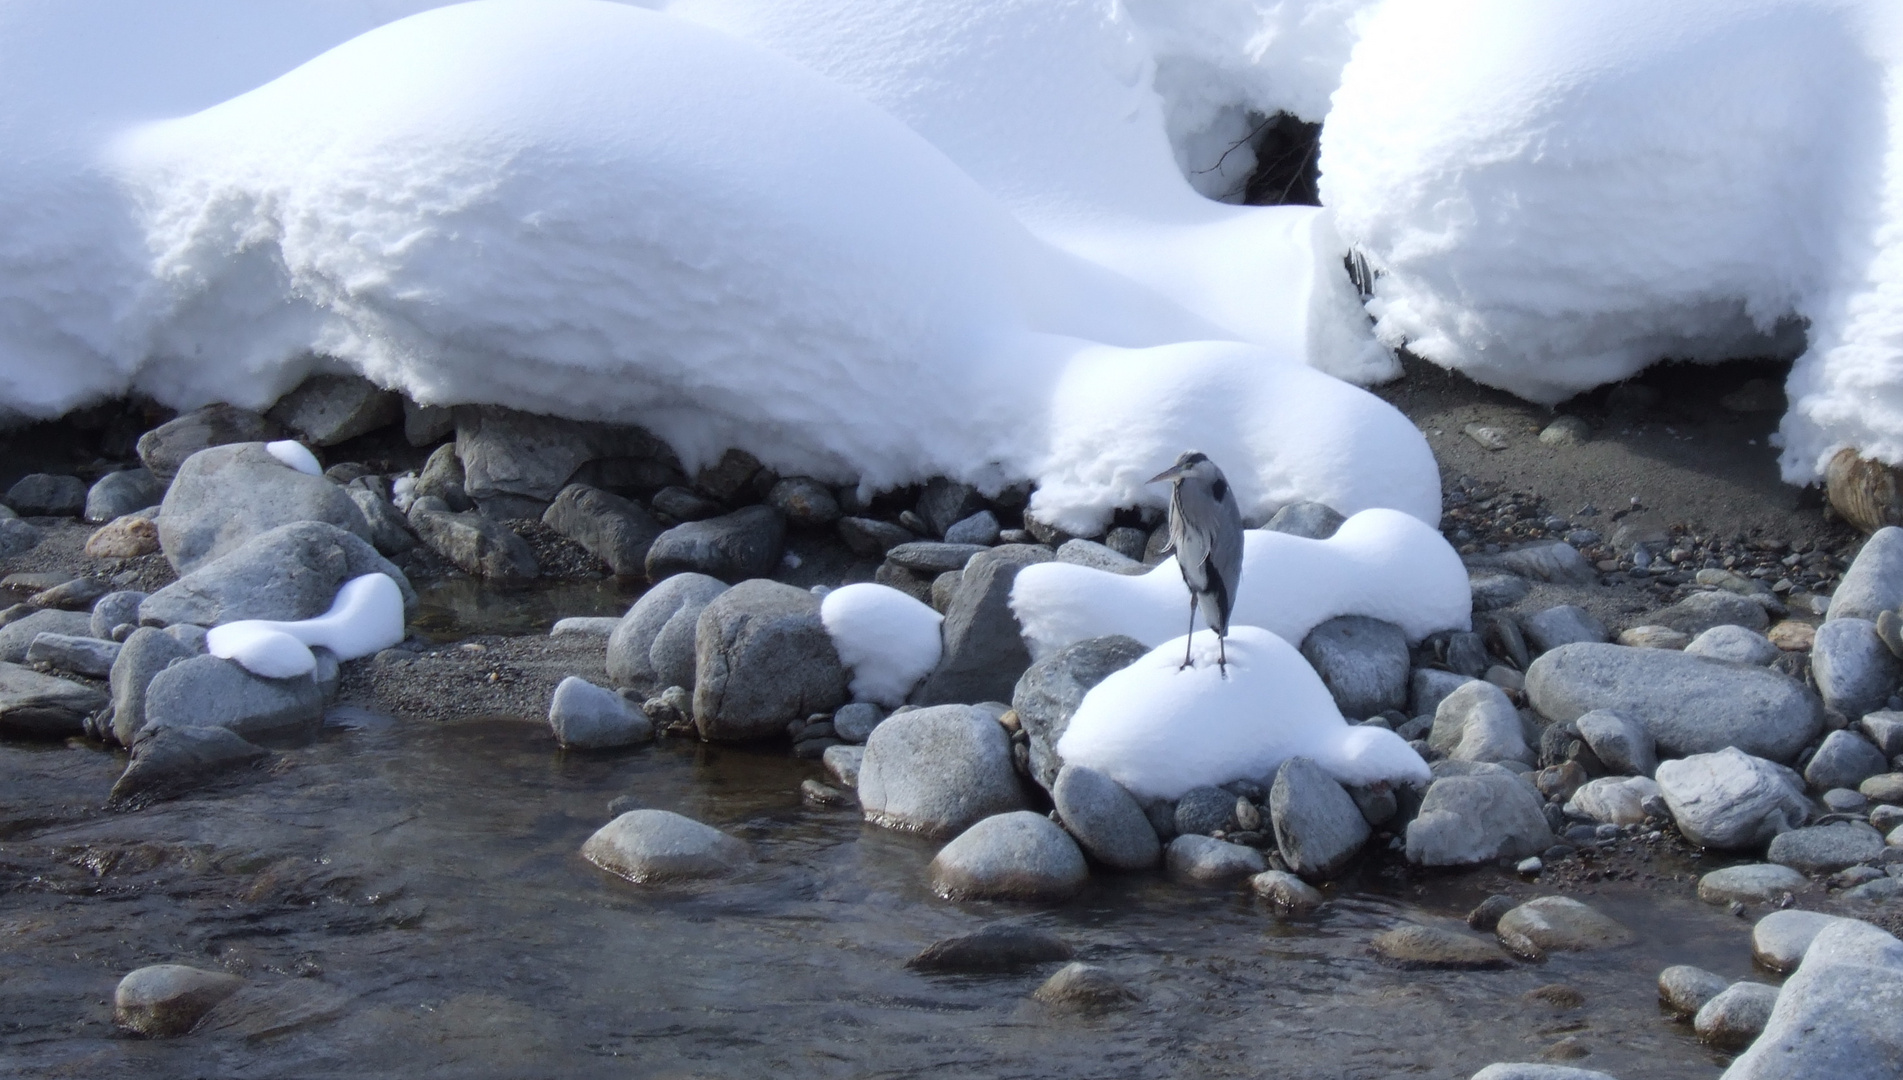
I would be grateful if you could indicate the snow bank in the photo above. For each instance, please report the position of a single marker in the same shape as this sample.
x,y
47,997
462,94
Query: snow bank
x,y
888,640
1160,731
1053,106
1559,195
1380,563
366,617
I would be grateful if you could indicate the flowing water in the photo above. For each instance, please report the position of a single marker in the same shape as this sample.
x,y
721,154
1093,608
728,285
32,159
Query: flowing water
x,y
406,899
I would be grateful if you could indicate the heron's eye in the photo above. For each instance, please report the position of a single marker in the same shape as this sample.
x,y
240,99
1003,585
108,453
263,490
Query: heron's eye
x,y
1220,489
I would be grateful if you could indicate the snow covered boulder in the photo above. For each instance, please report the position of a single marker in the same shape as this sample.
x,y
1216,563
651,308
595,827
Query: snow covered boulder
x,y
937,771
226,495
291,572
1382,564
762,657
652,647
886,639
1048,693
1160,729
984,650
365,618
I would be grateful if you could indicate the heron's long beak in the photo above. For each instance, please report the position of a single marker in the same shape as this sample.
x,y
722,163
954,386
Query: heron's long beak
x,y
1171,474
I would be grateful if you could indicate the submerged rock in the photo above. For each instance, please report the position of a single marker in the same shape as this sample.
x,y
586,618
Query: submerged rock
x,y
1084,987
1685,989
174,759
1430,947
169,999
998,946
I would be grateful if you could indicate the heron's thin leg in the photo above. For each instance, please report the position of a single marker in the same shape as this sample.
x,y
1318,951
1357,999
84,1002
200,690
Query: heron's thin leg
x,y
1222,654
1191,639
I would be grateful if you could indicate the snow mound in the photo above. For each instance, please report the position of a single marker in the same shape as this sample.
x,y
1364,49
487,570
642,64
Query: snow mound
x,y
1064,110
888,640
366,617
1380,563
1160,731
296,455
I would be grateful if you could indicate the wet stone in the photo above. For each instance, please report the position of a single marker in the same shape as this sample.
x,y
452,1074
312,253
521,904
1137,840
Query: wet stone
x,y
997,947
172,760
1211,861
47,495
586,717
1780,939
1487,914
1558,924
1685,989
654,846
1291,896
1431,947
1083,987
1752,883
169,999
1735,1017
842,763
1013,856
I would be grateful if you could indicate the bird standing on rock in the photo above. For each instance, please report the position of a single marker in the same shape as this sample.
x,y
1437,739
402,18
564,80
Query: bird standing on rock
x,y
1206,535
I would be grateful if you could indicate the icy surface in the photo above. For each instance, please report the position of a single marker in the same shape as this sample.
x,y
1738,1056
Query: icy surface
x,y
1380,563
1160,731
888,640
296,455
366,617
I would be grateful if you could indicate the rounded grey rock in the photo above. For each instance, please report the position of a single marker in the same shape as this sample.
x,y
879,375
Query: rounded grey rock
x,y
1106,820
1690,704
119,493
165,448
17,637
806,503
652,846
1735,1017
653,645
1873,583
854,722
47,495
1780,939
114,609
37,705
1845,759
1211,861
932,557
286,574
1622,743
1839,1015
169,999
1477,722
1519,1070
607,526
329,409
1050,691
1479,818
733,547
1083,987
1701,611
205,691
1735,643
1318,827
1018,855
1566,624
1432,947
1428,687
937,771
1826,849
1731,800
980,528
984,651
587,717
1492,590
1854,670
1201,811
1750,883
1290,894
1558,924
1313,520
1685,989
1364,663
762,658
1098,557
227,495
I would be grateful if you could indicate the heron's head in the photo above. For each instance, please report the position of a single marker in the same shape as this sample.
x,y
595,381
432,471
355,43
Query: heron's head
x,y
1194,465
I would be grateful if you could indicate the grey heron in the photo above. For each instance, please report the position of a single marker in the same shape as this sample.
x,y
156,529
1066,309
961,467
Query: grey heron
x,y
1206,535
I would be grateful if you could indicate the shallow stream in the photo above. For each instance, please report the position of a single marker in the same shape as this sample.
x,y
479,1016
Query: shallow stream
x,y
406,898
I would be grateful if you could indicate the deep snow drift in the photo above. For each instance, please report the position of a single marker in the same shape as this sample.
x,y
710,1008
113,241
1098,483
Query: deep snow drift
x,y
1560,195
1380,563
593,210
1160,731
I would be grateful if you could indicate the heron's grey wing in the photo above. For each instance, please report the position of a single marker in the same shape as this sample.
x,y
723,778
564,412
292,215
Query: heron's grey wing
x,y
1191,514
1225,558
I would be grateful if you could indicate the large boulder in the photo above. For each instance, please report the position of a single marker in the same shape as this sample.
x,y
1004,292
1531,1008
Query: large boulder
x,y
1048,693
1318,827
1732,800
227,495
1873,584
762,658
166,447
984,651
206,691
289,573
1363,662
43,706
1107,821
1466,820
1477,722
1691,704
655,846
329,409
732,547
1018,855
607,526
1839,1017
652,647
937,771
146,653
1854,670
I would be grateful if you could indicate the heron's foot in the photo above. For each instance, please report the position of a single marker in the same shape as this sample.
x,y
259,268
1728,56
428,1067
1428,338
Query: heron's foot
x,y
1184,666
1223,667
